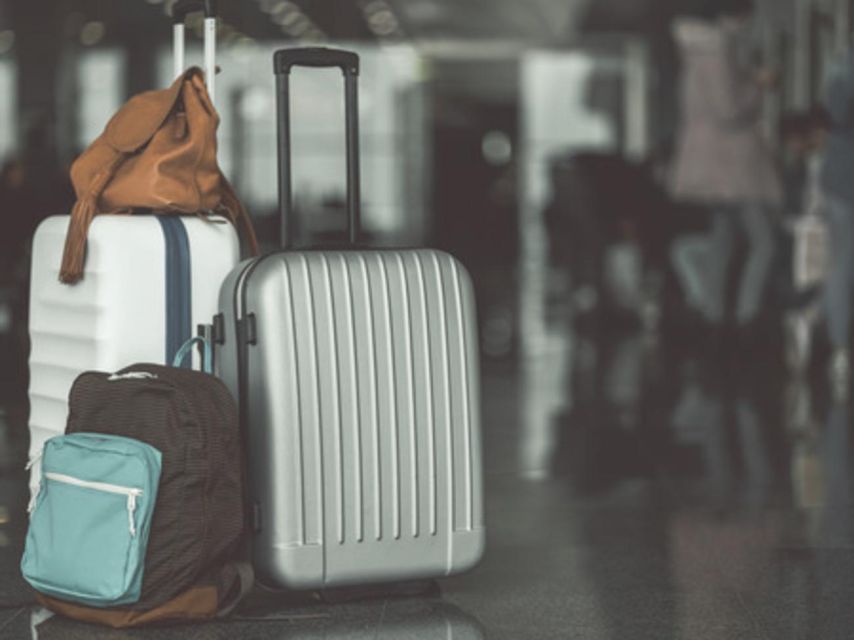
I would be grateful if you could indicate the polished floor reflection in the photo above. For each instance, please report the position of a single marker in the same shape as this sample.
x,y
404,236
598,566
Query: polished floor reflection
x,y
638,486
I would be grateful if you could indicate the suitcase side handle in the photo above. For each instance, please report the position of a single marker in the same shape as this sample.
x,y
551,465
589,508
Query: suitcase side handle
x,y
180,11
187,348
348,62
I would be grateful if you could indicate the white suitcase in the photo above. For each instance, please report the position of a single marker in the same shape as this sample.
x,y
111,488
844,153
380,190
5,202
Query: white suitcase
x,y
117,314
149,281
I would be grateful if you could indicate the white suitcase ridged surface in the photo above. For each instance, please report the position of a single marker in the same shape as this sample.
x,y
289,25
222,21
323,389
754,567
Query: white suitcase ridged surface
x,y
365,423
115,316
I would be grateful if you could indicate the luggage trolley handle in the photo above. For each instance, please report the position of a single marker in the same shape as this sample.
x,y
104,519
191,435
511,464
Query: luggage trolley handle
x,y
319,57
180,10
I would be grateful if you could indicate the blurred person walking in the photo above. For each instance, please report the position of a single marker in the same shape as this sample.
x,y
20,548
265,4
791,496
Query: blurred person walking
x,y
836,180
804,136
723,162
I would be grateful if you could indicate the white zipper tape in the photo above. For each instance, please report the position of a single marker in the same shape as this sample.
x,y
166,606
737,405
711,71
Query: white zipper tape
x,y
34,489
132,493
133,375
32,462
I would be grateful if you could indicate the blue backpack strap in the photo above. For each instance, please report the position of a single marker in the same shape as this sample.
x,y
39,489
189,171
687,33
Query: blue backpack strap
x,y
179,292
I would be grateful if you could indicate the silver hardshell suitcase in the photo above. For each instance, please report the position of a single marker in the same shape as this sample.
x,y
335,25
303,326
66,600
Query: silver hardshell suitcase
x,y
358,382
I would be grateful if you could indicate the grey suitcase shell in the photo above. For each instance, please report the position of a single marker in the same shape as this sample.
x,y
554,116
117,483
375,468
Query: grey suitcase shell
x,y
357,375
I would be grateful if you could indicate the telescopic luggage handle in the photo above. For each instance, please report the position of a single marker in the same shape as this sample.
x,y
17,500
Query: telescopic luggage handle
x,y
285,59
319,57
180,10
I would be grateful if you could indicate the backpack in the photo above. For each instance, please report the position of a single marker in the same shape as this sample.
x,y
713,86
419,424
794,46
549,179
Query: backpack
x,y
140,507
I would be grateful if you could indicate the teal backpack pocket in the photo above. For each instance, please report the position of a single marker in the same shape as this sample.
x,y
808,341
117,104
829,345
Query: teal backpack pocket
x,y
91,518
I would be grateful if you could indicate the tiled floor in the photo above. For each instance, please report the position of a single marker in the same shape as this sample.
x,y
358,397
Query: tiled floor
x,y
634,490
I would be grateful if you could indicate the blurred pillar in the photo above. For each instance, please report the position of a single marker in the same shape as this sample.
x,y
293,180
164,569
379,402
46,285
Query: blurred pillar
x,y
772,56
239,138
801,44
38,56
637,96
842,23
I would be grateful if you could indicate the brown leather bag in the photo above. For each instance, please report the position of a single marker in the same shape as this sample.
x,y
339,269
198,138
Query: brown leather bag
x,y
159,153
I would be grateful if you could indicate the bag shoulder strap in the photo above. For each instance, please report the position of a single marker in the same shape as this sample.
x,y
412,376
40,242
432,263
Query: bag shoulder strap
x,y
133,126
238,215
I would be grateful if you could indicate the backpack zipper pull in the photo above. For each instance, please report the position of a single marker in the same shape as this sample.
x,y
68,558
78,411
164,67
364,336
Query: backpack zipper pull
x,y
131,508
31,505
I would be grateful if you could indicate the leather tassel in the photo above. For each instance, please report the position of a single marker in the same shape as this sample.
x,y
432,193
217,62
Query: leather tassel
x,y
84,211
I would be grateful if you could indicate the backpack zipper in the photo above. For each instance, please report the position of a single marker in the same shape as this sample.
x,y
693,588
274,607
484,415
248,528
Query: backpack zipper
x,y
105,487
133,375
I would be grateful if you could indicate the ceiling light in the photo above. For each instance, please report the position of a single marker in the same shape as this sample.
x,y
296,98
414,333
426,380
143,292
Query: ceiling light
x,y
380,17
497,148
287,16
383,22
92,33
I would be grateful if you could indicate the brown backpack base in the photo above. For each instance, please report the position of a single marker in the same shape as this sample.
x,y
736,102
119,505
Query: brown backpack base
x,y
214,597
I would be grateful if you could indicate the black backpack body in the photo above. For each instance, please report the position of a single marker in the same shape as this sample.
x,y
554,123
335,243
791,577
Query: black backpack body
x,y
191,418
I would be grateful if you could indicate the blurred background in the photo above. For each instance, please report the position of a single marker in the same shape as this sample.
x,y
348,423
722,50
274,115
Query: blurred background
x,y
477,116
536,141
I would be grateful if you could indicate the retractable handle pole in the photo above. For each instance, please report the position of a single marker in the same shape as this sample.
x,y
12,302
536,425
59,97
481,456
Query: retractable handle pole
x,y
319,57
180,10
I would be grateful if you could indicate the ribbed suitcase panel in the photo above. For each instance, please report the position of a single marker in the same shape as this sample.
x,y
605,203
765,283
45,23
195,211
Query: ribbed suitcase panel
x,y
460,400
407,453
425,427
115,316
364,366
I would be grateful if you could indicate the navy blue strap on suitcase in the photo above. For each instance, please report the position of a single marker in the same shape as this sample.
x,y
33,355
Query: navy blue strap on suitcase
x,y
179,288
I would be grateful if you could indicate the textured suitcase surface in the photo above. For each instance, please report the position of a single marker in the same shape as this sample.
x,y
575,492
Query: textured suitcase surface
x,y
361,396
116,315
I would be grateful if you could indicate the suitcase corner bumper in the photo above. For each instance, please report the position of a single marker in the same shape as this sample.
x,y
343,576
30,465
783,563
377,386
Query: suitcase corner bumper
x,y
290,567
468,549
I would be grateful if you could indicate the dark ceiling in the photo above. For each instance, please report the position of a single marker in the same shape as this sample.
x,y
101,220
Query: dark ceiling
x,y
548,21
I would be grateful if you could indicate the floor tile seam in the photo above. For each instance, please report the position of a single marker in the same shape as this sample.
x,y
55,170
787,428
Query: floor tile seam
x,y
11,618
756,622
381,621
